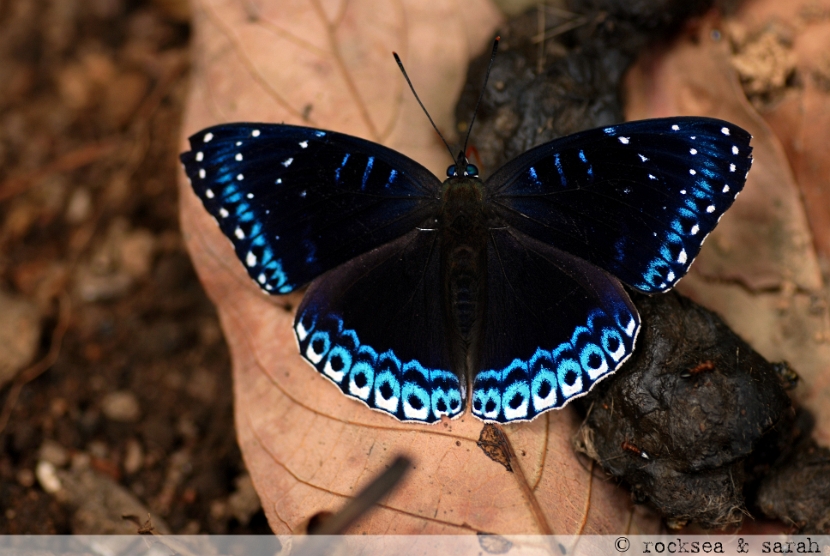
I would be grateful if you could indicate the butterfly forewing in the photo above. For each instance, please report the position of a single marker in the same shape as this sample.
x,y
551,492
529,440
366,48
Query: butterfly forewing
x,y
374,326
636,199
296,201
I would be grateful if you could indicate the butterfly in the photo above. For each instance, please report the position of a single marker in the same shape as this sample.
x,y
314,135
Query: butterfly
x,y
504,294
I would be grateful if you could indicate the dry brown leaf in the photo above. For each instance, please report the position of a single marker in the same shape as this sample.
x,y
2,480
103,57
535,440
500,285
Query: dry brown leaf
x,y
759,269
802,118
308,447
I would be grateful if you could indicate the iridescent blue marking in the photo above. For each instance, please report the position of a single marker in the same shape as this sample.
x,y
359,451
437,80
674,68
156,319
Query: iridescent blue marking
x,y
408,390
609,131
367,171
584,159
339,168
391,179
312,252
558,164
533,175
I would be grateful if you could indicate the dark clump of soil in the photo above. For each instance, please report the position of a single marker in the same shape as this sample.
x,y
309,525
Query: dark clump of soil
x,y
565,79
683,422
796,489
127,404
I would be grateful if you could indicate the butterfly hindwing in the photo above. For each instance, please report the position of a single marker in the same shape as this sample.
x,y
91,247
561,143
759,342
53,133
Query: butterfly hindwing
x,y
375,327
636,199
297,201
555,325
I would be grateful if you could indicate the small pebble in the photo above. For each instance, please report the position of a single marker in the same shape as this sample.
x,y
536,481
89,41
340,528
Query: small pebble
x,y
79,207
121,406
98,449
54,453
19,334
244,502
47,477
136,253
134,457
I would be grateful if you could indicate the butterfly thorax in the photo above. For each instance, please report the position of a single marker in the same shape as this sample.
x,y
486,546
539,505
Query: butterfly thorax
x,y
463,227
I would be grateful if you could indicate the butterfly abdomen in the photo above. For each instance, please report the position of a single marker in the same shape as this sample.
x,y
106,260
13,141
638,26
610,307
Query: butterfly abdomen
x,y
464,270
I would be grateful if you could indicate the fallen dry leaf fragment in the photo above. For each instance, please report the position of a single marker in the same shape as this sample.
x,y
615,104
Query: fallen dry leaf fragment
x,y
308,447
801,118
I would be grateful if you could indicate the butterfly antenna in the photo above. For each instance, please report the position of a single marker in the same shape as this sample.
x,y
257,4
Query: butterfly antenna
x,y
483,88
403,71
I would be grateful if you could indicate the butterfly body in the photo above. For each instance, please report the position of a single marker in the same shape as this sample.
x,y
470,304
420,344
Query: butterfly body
x,y
463,228
503,295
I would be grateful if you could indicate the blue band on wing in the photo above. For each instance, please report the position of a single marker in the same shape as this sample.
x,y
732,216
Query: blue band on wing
x,y
407,390
553,377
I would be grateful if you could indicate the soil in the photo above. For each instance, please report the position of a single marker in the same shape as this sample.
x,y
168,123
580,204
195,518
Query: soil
x,y
115,385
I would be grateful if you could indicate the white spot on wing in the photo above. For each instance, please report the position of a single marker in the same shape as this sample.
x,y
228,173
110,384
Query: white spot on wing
x,y
734,150
240,177
675,127
250,260
629,328
651,177
692,151
238,157
724,130
209,193
223,213
200,156
692,172
304,144
726,189
255,133
624,140
287,162
239,233
202,173
643,158
695,229
681,258
710,209
261,278
208,137
732,168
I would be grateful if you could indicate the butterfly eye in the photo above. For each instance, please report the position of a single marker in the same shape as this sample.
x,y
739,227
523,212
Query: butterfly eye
x,y
471,170
451,171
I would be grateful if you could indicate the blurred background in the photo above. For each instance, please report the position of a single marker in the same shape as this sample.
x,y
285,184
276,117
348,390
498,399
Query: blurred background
x,y
115,395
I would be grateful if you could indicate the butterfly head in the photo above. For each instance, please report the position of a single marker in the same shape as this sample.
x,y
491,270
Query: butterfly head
x,y
462,168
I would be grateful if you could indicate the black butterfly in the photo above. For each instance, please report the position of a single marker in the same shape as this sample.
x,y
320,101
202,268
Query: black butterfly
x,y
511,287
